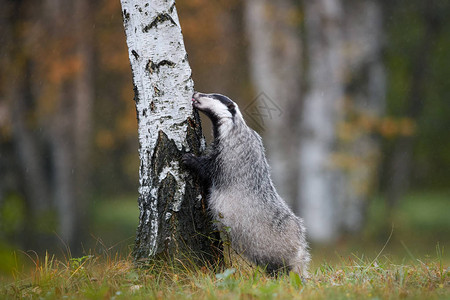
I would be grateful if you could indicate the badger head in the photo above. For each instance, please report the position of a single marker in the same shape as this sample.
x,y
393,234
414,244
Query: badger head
x,y
217,107
220,109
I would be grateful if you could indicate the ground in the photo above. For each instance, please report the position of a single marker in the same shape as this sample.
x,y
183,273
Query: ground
x,y
395,257
104,277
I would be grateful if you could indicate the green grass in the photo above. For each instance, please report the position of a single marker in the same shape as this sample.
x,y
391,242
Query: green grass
x,y
400,254
420,221
422,213
114,223
104,277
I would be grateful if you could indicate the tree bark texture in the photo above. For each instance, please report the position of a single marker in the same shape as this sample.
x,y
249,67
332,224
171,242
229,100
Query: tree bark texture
x,y
173,215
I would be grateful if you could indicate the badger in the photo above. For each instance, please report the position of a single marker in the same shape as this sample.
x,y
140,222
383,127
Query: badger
x,y
240,192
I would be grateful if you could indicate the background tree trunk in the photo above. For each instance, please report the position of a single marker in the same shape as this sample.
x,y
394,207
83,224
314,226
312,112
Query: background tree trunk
x,y
84,106
27,140
358,153
64,179
173,214
34,184
61,126
339,154
275,56
320,182
400,166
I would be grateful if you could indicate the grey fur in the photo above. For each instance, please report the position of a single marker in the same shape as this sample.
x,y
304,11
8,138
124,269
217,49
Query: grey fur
x,y
241,194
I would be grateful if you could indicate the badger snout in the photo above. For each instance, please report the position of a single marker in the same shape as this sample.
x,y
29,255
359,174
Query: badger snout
x,y
195,98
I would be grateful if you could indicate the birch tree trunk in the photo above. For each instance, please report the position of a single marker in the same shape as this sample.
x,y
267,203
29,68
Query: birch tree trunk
x,y
275,55
173,217
320,182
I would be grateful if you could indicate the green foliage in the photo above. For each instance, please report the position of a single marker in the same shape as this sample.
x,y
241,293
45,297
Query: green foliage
x,y
12,215
419,219
115,221
13,219
295,280
406,36
7,262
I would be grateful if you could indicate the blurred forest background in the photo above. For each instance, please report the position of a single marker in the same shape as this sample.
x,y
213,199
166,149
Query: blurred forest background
x,y
350,97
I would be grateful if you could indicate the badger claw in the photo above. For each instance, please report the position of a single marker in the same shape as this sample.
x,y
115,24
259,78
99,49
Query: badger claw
x,y
189,159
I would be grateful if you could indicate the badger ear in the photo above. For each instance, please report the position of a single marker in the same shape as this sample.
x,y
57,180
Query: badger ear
x,y
231,105
231,108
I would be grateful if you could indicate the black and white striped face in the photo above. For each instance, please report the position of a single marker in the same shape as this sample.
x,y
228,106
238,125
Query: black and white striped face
x,y
215,106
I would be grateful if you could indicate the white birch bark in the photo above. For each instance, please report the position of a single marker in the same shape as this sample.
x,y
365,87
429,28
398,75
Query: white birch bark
x,y
167,127
273,30
320,183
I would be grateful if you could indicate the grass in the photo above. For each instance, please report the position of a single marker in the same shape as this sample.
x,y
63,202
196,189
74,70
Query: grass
x,y
420,221
106,277
114,222
399,255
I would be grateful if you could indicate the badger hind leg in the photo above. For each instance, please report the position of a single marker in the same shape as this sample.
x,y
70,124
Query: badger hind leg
x,y
300,262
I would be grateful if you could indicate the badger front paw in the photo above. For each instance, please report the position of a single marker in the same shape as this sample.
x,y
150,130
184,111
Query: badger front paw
x,y
189,160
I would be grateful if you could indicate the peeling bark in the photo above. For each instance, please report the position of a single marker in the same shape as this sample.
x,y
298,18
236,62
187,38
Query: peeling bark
x,y
173,214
